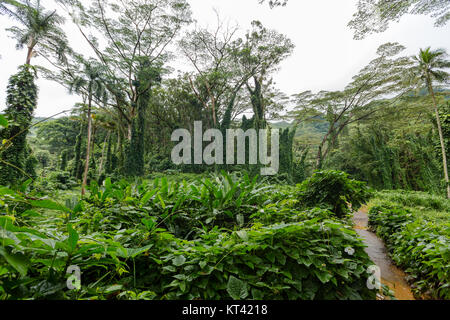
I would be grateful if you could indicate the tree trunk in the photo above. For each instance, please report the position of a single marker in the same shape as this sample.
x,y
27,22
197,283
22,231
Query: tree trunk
x,y
320,156
441,137
129,132
29,55
103,154
88,148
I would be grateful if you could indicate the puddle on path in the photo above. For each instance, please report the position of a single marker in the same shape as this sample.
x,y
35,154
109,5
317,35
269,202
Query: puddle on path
x,y
391,276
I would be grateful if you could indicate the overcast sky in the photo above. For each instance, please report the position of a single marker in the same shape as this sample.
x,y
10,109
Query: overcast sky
x,y
325,58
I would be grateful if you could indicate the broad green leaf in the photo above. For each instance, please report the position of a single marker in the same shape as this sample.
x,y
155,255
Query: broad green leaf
x,y
149,223
107,184
323,276
17,261
113,288
73,237
179,260
3,122
240,219
48,204
162,202
242,234
133,252
148,196
236,288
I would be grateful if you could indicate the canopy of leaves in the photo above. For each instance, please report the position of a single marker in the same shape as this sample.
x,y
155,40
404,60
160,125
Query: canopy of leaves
x,y
40,29
374,16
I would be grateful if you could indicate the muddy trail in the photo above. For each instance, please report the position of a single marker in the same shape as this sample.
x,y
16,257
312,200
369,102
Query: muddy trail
x,y
391,276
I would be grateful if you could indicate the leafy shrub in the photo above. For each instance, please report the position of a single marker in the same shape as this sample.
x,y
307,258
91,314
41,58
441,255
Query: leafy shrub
x,y
416,199
62,180
34,256
304,260
333,190
416,246
159,163
281,179
182,208
129,241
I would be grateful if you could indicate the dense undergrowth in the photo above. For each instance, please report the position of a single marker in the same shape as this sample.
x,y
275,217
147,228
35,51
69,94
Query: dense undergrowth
x,y
225,237
416,229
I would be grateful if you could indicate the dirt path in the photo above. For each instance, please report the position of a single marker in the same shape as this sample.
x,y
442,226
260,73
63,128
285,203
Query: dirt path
x,y
390,274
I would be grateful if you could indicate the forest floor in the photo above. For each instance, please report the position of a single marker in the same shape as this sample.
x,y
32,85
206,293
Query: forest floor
x,y
391,276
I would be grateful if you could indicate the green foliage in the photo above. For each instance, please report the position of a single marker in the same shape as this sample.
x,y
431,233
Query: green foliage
x,y
281,262
40,27
60,180
57,135
334,190
109,164
415,199
183,208
375,16
148,76
422,249
3,121
444,113
63,160
126,240
390,158
287,152
44,158
21,101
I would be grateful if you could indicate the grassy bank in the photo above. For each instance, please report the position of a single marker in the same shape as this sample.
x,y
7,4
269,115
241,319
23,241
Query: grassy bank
x,y
416,229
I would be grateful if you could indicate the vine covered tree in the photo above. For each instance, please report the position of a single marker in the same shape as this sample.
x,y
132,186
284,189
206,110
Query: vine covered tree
x,y
20,103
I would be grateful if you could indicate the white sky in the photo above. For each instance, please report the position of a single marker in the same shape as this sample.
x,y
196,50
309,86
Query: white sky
x,y
325,58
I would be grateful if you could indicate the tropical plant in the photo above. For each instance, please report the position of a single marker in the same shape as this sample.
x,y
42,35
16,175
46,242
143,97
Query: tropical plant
x,y
430,68
334,190
40,30
92,82
421,248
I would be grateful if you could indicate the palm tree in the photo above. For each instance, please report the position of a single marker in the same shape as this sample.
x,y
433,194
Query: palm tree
x,y
90,83
40,26
430,65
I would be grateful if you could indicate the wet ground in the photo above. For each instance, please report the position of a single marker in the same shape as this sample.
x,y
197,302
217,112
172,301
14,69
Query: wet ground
x,y
391,276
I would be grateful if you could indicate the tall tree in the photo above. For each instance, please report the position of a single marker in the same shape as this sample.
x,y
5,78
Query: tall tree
x,y
148,76
91,80
431,65
362,98
129,31
40,28
20,103
210,54
259,55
